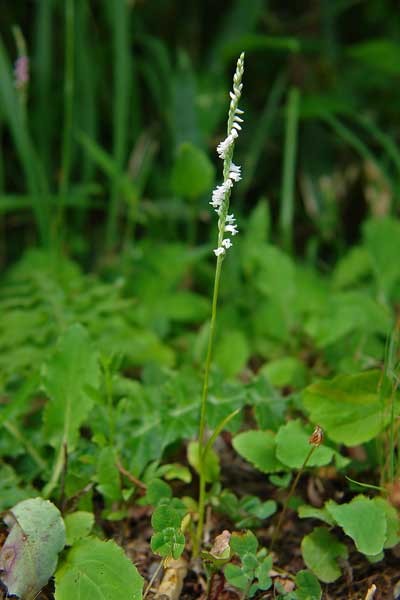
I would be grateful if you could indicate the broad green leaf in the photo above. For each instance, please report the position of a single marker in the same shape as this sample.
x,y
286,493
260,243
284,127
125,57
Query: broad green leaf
x,y
69,372
232,352
96,569
78,525
381,54
307,586
344,313
211,463
177,471
393,522
243,543
157,490
292,447
320,550
285,371
353,267
193,173
348,407
382,240
363,520
311,512
29,555
258,447
108,477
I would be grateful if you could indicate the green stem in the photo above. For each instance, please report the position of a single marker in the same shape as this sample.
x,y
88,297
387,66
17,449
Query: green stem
x,y
202,482
57,470
15,432
152,580
289,496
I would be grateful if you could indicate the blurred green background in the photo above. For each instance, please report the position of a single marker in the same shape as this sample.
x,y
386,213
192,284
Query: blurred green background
x,y
113,138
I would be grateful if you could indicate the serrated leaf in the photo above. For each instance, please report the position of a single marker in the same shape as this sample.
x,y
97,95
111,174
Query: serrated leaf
x,y
320,550
29,555
73,366
78,525
96,569
292,447
109,482
258,447
348,407
363,520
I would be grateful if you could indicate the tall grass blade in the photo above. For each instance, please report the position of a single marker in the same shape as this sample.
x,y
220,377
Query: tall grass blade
x,y
120,25
35,180
262,131
69,84
42,84
289,168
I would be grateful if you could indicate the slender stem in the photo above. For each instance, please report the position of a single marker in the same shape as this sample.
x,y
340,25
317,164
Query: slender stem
x,y
289,496
110,404
202,482
152,580
57,470
13,429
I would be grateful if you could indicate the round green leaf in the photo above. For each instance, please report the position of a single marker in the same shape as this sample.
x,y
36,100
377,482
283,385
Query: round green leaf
x,y
320,550
258,447
193,173
363,520
96,569
348,407
292,447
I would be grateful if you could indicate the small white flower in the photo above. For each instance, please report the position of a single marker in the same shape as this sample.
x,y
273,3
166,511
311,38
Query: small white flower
x,y
224,146
219,251
230,218
234,172
232,229
226,243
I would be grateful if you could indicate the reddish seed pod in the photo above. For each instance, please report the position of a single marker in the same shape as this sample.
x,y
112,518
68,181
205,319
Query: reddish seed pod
x,y
317,436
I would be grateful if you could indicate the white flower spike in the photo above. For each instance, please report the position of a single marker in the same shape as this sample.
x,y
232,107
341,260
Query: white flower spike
x,y
232,173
